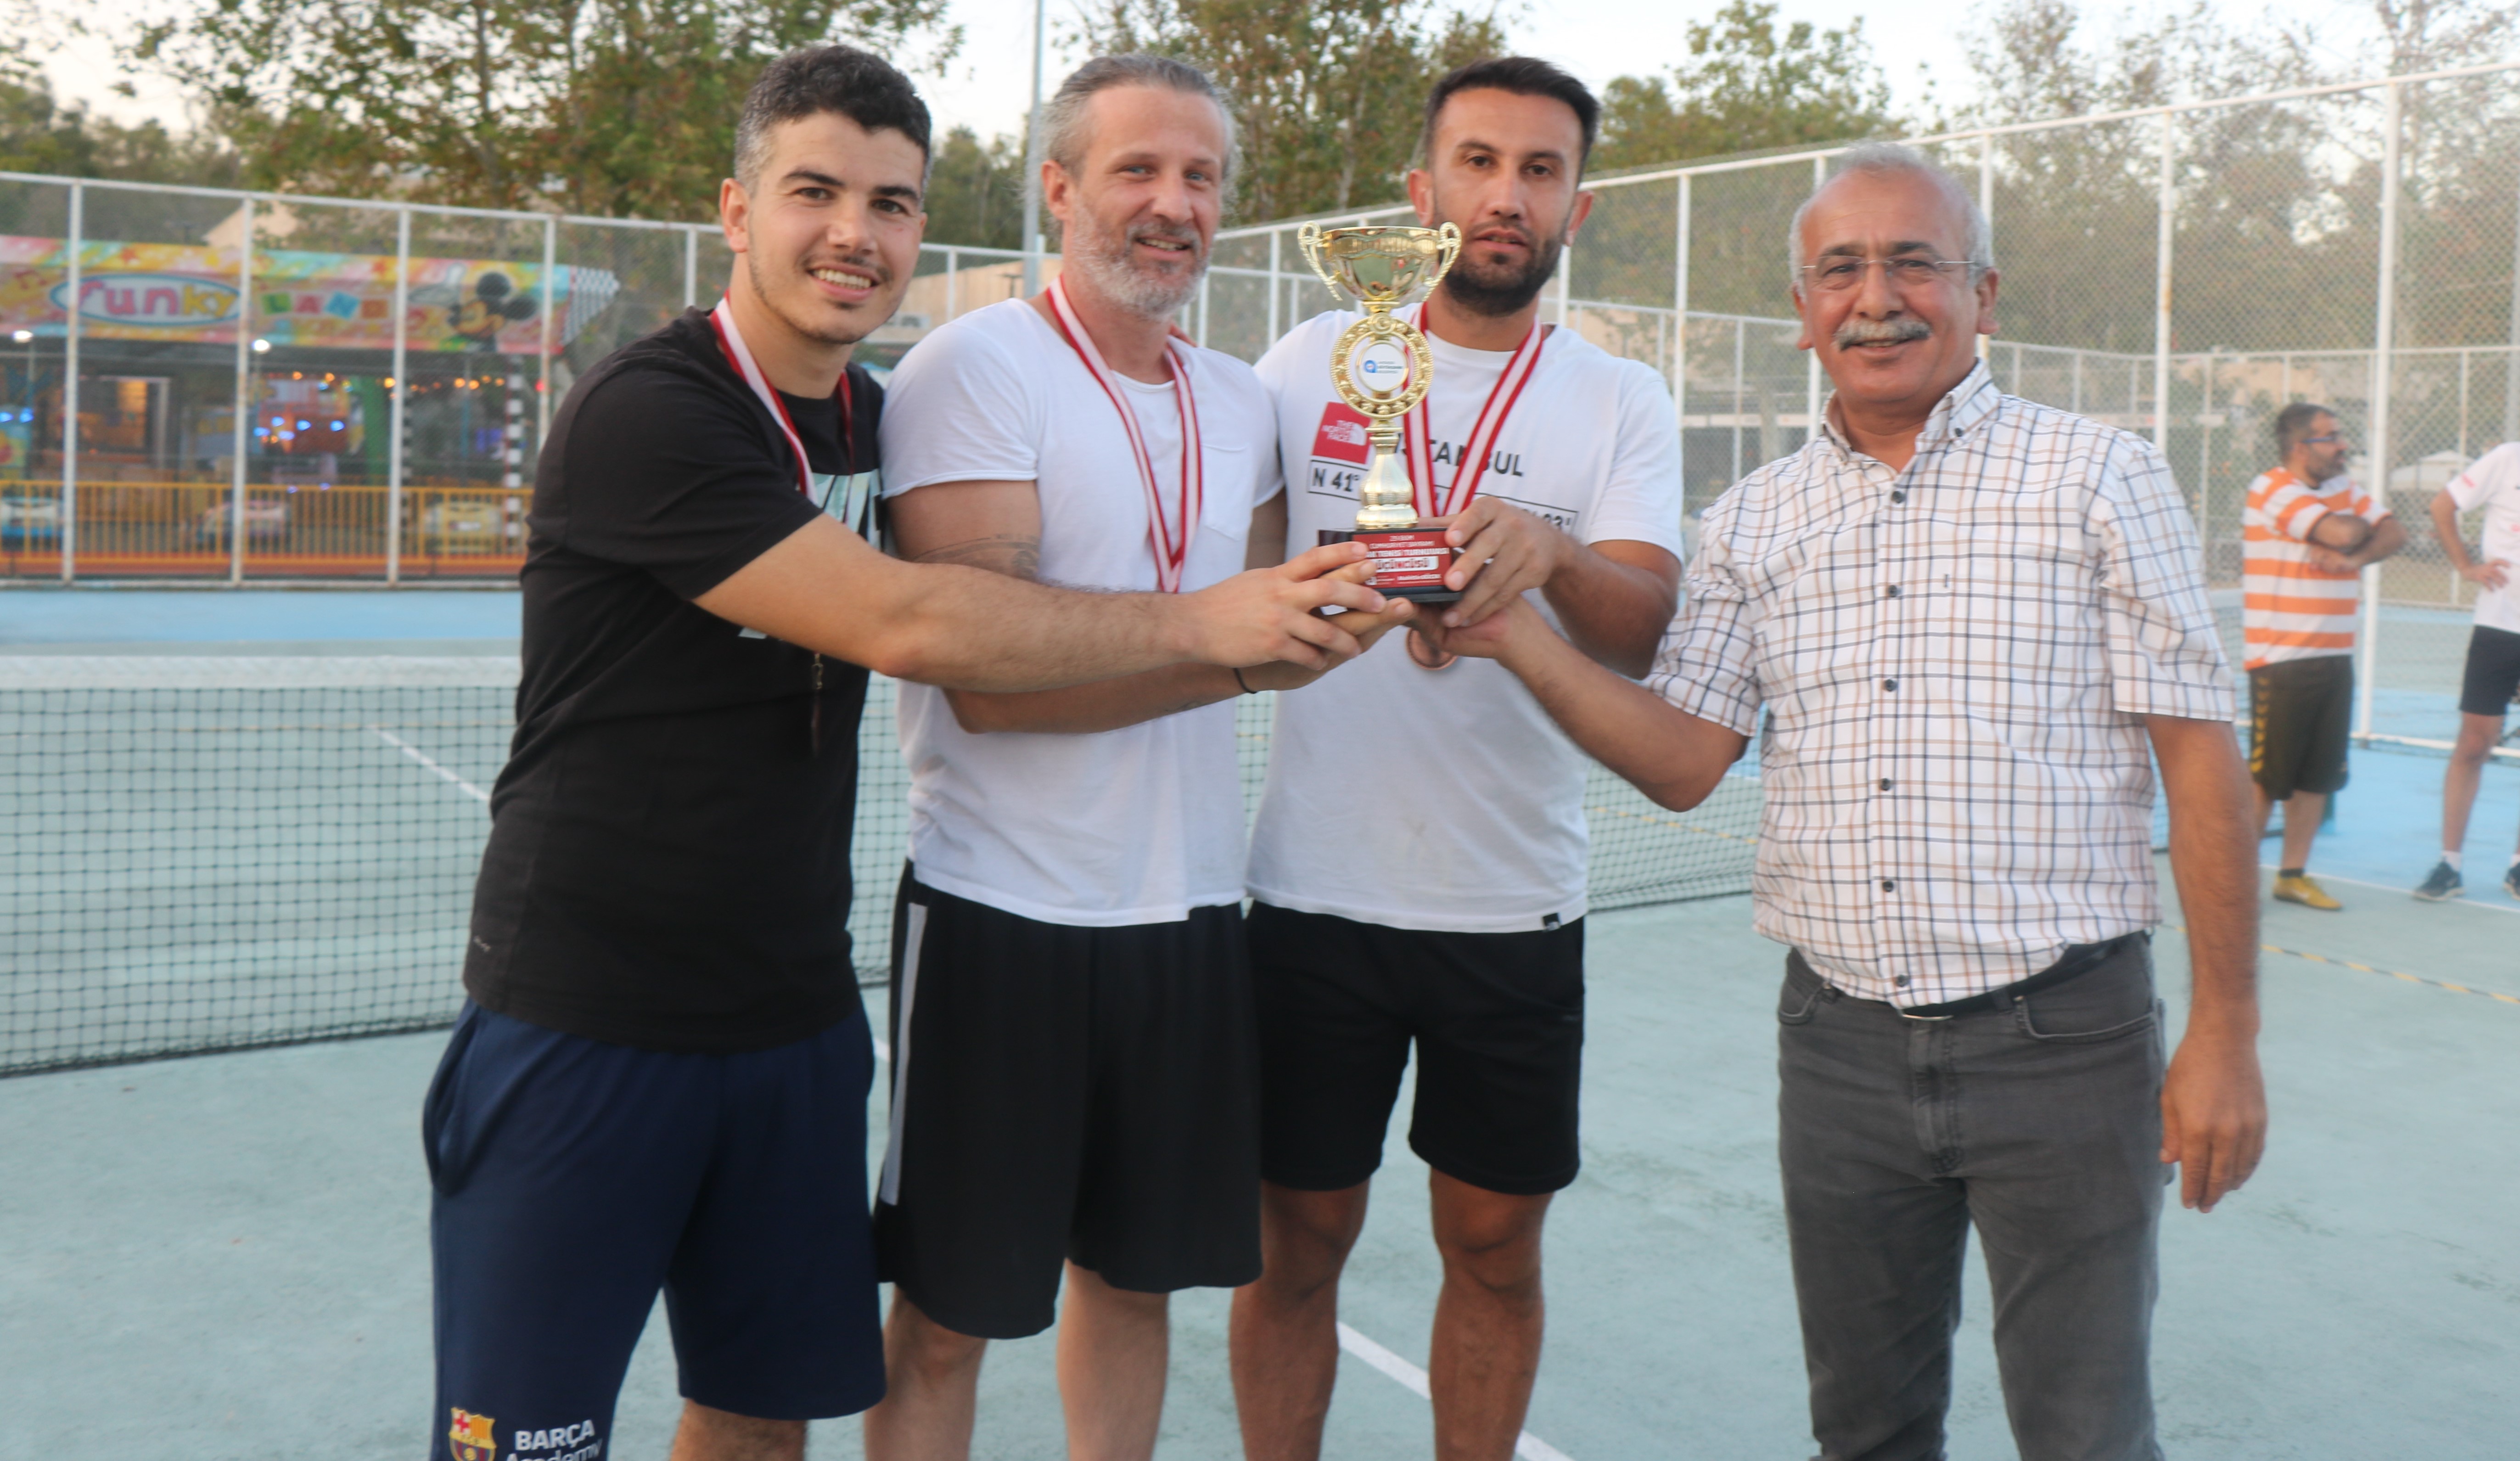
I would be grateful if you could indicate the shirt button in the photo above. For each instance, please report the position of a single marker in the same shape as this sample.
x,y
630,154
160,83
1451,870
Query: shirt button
x,y
1899,496
1889,884
1889,684
1885,783
1900,980
1893,590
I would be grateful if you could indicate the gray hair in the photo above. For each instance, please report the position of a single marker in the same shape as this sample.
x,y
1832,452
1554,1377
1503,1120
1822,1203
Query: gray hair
x,y
1063,128
1881,159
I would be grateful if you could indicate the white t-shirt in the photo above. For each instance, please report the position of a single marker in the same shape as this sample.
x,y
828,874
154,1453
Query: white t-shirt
x,y
2492,483
1131,826
1447,799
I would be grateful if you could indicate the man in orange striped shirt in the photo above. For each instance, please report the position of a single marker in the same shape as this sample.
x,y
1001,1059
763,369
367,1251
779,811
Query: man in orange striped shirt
x,y
2307,533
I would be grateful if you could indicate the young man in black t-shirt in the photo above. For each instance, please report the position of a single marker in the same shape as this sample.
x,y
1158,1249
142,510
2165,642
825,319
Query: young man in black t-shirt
x,y
661,1078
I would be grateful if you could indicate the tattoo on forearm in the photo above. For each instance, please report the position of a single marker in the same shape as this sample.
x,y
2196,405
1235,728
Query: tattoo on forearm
x,y
1011,554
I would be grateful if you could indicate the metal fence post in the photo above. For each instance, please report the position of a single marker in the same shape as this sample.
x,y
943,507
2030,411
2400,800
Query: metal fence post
x,y
69,536
1986,210
2511,359
953,282
551,305
1680,327
2166,228
1565,288
1811,358
1202,311
1275,236
244,389
2384,339
691,266
401,388
1741,338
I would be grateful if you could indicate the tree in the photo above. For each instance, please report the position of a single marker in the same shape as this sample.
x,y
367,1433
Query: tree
x,y
1328,95
39,134
624,108
1746,86
975,191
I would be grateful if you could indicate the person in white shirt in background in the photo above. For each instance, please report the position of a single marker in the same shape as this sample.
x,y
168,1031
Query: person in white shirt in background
x,y
1074,1093
2491,482
1418,866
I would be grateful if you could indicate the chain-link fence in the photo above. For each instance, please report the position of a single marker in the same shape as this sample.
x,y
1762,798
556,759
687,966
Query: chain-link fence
x,y
2181,271
205,384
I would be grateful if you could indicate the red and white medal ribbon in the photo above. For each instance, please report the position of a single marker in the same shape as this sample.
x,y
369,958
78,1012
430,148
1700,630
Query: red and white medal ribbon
x,y
1480,448
1168,537
730,340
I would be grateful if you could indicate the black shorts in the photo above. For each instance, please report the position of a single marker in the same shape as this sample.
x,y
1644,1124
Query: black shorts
x,y
2493,673
2301,715
1498,1023
1066,1094
573,1179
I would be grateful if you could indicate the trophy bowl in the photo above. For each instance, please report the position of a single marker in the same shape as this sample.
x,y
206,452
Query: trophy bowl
x,y
1380,265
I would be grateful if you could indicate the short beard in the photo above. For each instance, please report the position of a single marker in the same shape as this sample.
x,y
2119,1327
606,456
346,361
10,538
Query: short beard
x,y
1108,260
820,333
1500,295
1879,333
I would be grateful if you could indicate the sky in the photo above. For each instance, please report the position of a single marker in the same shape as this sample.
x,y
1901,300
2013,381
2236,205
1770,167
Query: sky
x,y
988,86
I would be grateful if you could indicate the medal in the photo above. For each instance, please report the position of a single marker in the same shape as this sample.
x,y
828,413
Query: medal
x,y
1169,542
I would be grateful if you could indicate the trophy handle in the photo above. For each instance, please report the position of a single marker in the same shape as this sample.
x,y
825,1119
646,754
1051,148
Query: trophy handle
x,y
1448,245
1308,237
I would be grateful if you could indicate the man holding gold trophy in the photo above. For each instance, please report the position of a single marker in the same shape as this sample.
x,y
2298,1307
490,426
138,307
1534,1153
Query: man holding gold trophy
x,y
1430,890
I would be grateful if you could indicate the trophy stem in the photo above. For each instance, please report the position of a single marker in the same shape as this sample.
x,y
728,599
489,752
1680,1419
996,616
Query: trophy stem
x,y
1384,498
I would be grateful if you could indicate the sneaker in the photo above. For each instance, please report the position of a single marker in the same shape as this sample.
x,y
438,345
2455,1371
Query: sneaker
x,y
2511,881
2300,889
2441,886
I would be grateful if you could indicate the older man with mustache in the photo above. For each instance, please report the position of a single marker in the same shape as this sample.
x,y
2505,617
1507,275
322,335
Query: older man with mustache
x,y
1964,625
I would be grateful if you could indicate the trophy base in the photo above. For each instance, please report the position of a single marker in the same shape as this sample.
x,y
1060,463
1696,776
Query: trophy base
x,y
1409,563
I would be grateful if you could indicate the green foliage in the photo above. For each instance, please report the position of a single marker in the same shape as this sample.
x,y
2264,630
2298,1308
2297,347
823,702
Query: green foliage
x,y
1749,84
975,191
624,108
1329,93
39,134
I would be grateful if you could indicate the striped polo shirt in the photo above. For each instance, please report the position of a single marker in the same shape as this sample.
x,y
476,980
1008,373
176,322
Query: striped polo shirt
x,y
2291,610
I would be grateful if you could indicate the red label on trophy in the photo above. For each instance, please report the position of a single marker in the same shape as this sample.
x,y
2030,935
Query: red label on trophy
x,y
1409,563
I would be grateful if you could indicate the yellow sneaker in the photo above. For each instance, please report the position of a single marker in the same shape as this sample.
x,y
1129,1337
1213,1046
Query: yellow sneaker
x,y
2300,889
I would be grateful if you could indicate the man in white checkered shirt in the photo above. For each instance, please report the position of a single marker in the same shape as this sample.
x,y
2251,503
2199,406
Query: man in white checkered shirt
x,y
1963,617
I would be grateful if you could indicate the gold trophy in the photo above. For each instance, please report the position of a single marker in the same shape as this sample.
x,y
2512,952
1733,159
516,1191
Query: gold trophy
x,y
1382,368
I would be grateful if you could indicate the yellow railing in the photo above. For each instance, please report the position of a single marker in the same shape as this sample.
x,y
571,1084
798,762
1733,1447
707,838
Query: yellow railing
x,y
186,527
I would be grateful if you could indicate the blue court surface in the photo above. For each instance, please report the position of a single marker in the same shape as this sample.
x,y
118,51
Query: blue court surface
x,y
227,1255
86,620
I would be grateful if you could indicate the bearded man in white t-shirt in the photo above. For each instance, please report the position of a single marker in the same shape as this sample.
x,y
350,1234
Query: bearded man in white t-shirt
x,y
1073,1094
1417,868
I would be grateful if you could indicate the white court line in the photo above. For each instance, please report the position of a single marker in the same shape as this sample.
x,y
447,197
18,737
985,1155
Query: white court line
x,y
1529,1447
416,755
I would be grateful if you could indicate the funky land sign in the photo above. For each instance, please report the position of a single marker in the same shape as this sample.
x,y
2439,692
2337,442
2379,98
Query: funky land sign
x,y
178,292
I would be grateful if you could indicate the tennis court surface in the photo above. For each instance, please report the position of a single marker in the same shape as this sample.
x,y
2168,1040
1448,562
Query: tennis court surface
x,y
226,1255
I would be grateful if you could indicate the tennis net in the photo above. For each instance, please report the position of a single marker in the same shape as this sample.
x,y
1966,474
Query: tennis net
x,y
206,853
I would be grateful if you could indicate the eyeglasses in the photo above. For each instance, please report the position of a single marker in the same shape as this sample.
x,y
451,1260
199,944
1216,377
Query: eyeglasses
x,y
2329,439
1836,275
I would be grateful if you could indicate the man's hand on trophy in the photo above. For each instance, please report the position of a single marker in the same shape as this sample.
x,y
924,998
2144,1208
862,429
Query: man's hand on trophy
x,y
1274,614
1505,552
1512,632
1363,627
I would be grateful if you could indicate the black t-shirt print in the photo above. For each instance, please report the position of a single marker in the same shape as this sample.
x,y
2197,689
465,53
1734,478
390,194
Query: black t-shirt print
x,y
668,863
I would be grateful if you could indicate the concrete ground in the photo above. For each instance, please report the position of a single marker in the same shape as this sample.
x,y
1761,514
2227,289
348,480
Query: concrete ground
x,y
226,1255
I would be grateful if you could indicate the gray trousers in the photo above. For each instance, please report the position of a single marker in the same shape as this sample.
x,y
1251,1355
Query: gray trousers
x,y
2039,1122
